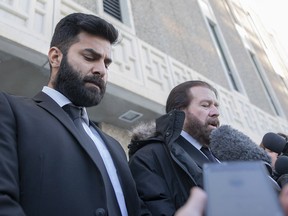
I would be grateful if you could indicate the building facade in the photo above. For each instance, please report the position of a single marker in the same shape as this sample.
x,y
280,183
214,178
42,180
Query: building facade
x,y
163,43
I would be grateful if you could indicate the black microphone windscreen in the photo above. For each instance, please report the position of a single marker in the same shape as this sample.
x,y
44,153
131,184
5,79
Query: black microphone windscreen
x,y
229,144
281,165
282,180
274,142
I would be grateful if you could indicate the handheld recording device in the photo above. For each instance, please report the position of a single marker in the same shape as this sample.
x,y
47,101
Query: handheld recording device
x,y
240,188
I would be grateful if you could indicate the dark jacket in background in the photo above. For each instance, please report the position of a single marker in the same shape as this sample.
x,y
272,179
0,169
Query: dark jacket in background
x,y
163,171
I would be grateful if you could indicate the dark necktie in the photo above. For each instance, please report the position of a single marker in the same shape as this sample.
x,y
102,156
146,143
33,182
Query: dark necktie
x,y
76,115
209,154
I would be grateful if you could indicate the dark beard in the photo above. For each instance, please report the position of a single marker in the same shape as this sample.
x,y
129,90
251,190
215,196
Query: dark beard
x,y
197,130
70,83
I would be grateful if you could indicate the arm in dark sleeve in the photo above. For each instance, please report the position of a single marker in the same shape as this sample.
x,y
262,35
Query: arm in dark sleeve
x,y
9,177
151,184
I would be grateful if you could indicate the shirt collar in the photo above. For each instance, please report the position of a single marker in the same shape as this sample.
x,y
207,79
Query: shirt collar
x,y
61,100
191,140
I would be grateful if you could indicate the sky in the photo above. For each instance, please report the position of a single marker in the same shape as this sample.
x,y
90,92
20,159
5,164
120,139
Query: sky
x,y
274,15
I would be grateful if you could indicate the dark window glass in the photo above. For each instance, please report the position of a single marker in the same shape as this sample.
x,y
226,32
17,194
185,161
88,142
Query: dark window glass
x,y
223,56
255,63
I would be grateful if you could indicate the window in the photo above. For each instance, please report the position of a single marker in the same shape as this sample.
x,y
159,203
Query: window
x,y
231,8
118,10
221,47
222,55
259,69
113,8
284,83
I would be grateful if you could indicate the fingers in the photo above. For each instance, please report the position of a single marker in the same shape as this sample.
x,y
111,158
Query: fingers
x,y
195,205
284,199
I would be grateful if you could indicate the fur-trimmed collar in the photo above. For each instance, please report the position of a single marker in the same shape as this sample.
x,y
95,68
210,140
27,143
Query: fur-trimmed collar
x,y
143,131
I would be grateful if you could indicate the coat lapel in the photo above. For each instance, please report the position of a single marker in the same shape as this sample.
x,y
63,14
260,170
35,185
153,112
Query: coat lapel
x,y
47,103
55,110
194,153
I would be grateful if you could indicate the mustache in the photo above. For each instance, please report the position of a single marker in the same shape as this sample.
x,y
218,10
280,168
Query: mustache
x,y
215,122
97,80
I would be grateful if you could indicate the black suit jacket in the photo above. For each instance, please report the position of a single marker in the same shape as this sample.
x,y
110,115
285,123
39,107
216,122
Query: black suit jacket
x,y
45,168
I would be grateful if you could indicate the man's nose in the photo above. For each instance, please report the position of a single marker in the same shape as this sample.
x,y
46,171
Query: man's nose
x,y
99,68
214,111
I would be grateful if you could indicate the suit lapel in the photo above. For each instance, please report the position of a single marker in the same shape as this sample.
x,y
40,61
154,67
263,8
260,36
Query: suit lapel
x,y
48,104
194,153
55,110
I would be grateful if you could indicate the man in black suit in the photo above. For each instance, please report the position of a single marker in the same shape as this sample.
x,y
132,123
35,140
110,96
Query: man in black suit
x,y
49,165
166,158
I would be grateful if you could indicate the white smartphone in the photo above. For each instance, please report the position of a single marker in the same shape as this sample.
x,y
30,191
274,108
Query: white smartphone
x,y
240,189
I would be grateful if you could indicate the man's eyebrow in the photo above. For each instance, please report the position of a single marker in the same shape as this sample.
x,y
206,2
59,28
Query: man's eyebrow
x,y
206,100
98,55
210,101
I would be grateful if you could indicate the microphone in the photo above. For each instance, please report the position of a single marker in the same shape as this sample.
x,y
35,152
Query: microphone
x,y
281,170
229,144
275,143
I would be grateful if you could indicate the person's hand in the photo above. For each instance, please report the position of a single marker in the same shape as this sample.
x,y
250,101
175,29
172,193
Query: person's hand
x,y
284,199
196,203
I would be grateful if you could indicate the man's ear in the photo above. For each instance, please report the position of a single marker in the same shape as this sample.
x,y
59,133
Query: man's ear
x,y
55,57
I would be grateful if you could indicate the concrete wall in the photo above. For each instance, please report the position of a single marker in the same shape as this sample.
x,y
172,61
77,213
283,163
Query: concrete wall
x,y
178,29
120,134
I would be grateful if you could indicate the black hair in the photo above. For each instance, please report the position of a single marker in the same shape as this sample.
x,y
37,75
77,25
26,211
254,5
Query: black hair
x,y
68,28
